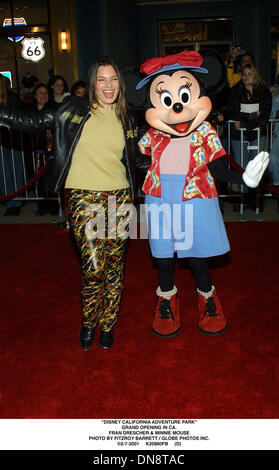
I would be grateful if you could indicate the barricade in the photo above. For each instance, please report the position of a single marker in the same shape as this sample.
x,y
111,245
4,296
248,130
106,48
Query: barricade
x,y
22,169
268,144
34,164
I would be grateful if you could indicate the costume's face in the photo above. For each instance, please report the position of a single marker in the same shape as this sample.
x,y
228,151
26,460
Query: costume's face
x,y
178,108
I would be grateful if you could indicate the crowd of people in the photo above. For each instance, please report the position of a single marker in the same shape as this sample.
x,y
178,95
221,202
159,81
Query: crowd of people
x,y
250,103
246,99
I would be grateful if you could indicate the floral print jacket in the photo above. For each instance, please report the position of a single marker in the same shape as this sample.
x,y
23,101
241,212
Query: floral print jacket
x,y
205,146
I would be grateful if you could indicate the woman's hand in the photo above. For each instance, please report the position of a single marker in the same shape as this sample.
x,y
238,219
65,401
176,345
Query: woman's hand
x,y
234,52
237,125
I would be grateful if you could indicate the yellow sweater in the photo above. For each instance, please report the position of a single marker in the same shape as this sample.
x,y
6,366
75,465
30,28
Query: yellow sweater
x,y
232,76
96,163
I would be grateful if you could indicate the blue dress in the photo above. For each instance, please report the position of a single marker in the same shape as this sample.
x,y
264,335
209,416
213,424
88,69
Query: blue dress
x,y
192,228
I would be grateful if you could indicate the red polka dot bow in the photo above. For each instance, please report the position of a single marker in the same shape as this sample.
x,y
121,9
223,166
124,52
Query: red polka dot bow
x,y
185,58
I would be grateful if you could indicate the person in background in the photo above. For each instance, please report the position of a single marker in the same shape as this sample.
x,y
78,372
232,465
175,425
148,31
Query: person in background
x,y
79,89
274,150
41,145
238,57
58,89
249,105
95,150
11,155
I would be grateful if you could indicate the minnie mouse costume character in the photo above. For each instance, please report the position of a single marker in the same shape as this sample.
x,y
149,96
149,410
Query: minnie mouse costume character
x,y
186,157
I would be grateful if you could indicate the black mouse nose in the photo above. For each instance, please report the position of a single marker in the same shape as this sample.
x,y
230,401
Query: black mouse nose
x,y
177,107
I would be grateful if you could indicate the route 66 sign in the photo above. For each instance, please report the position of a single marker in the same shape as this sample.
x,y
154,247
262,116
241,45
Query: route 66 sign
x,y
33,49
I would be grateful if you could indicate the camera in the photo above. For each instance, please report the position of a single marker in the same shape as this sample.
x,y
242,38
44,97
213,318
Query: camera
x,y
241,49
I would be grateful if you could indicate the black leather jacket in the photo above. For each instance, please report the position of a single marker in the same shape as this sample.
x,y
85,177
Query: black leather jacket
x,y
67,123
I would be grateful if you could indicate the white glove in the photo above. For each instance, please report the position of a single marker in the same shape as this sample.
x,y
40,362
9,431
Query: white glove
x,y
255,169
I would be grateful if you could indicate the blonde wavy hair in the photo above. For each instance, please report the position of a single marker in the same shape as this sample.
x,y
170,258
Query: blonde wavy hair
x,y
258,79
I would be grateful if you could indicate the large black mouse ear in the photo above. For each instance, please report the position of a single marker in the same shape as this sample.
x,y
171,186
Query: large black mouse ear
x,y
216,78
135,98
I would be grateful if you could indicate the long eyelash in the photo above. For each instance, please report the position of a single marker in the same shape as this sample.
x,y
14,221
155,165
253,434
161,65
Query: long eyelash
x,y
188,84
160,91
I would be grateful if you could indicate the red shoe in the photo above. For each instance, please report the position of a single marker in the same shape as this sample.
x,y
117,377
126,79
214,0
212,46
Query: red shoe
x,y
212,320
166,322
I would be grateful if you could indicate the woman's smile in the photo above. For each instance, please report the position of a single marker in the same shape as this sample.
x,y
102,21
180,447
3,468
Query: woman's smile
x,y
107,86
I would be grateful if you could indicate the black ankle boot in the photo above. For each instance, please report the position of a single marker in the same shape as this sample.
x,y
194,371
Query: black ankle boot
x,y
86,337
106,339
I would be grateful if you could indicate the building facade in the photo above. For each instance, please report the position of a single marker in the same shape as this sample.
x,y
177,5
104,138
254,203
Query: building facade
x,y
40,38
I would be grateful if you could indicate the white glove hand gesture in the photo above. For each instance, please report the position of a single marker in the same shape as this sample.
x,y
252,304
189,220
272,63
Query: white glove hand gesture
x,y
255,169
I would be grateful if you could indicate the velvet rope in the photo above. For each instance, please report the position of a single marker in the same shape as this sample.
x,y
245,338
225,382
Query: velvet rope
x,y
233,163
37,175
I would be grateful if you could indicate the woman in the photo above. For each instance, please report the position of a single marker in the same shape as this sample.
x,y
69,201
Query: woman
x,y
58,89
11,155
41,145
249,105
94,152
41,96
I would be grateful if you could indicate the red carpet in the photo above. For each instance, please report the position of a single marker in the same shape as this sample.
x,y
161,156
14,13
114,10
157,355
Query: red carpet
x,y
45,374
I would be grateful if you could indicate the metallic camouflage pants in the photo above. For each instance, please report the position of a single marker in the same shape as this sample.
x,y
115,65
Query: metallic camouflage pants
x,y
102,252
